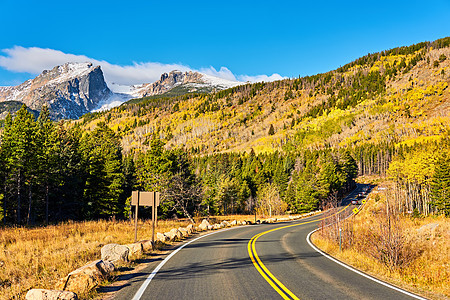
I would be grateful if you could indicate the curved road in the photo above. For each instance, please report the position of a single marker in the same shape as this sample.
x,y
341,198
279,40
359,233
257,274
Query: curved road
x,y
219,266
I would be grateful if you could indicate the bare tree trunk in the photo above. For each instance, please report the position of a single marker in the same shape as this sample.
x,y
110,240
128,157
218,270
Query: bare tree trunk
x,y
187,214
46,204
18,198
4,204
29,206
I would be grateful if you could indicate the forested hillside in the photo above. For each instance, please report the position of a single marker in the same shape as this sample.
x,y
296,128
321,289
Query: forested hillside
x,y
293,145
396,95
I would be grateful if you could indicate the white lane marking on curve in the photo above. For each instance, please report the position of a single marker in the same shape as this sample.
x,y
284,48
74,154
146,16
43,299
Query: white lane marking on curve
x,y
147,281
308,239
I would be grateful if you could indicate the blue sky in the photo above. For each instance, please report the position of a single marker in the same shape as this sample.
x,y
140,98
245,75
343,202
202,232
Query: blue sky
x,y
243,40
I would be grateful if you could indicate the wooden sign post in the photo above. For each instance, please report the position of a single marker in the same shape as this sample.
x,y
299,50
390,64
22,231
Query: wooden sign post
x,y
145,199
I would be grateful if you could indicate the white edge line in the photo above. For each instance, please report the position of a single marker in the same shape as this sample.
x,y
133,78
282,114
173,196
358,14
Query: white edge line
x,y
147,281
308,239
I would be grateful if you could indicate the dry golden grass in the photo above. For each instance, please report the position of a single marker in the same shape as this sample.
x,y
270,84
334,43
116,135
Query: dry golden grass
x,y
39,257
426,249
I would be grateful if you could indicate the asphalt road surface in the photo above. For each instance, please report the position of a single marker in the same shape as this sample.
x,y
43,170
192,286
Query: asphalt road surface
x,y
267,261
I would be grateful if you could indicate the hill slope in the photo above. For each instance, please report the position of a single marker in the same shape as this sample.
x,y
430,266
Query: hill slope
x,y
398,95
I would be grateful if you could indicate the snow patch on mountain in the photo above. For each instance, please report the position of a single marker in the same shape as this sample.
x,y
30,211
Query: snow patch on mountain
x,y
115,100
72,89
194,81
70,71
217,81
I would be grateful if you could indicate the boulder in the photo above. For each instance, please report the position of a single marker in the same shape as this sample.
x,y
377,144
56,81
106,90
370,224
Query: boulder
x,y
160,237
115,252
174,234
224,224
136,249
86,278
171,236
233,223
177,233
204,225
217,226
183,231
190,228
427,227
147,245
427,231
210,227
41,294
106,267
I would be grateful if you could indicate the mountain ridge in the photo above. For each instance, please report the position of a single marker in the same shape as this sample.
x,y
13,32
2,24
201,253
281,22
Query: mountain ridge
x,y
392,96
194,81
69,90
73,89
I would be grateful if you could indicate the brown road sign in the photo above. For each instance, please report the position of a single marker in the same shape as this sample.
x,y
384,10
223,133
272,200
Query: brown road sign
x,y
145,198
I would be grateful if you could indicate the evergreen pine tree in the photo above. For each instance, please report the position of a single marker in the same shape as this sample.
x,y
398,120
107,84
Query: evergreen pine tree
x,y
440,186
102,156
46,151
18,149
271,130
350,169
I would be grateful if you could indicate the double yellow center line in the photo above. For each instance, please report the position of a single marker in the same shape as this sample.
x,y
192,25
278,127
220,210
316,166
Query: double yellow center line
x,y
284,292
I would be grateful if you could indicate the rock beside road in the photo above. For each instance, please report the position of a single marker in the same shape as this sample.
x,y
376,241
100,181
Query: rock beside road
x,y
41,294
183,231
161,237
204,225
86,278
136,249
115,253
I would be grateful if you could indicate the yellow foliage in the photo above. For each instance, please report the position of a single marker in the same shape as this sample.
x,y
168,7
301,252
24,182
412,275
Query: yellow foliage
x,y
420,140
417,166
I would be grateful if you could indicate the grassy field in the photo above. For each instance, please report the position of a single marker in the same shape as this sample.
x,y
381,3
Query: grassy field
x,y
39,257
411,252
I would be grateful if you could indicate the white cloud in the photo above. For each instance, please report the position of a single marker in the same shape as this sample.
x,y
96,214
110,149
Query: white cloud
x,y
138,72
34,60
259,78
222,73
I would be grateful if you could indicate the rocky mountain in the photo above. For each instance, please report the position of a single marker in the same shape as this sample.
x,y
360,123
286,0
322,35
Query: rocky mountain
x,y
69,91
74,89
184,82
399,96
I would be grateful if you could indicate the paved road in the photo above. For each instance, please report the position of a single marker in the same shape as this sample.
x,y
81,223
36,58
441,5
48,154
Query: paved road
x,y
219,266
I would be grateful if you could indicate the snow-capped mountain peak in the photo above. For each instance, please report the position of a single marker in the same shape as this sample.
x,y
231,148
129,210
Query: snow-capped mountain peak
x,y
73,89
193,81
69,90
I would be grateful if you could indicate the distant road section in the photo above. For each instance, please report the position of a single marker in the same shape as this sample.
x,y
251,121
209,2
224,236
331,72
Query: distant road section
x,y
269,261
